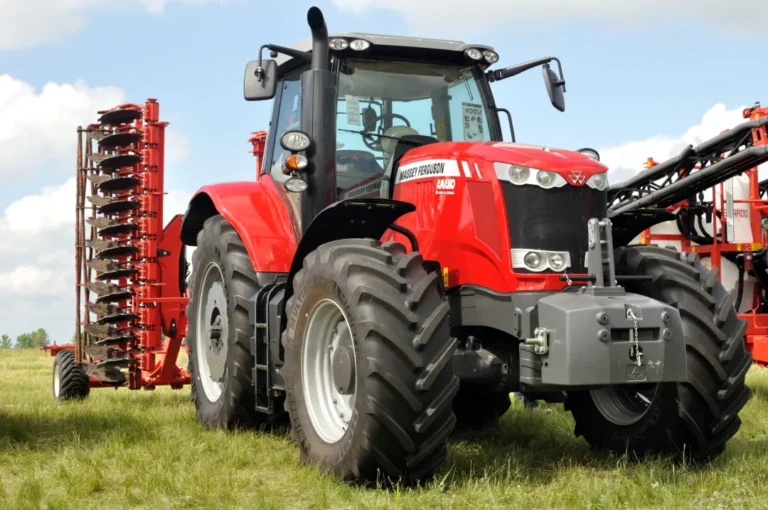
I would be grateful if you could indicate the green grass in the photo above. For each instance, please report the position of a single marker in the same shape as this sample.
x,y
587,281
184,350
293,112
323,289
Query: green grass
x,y
123,449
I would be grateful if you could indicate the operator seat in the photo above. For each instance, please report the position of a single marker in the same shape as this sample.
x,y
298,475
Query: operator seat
x,y
401,146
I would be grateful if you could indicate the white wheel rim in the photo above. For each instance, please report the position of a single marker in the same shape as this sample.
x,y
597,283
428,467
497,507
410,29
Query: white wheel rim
x,y
212,332
328,334
56,381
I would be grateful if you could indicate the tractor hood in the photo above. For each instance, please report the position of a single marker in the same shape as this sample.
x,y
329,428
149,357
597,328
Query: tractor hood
x,y
533,156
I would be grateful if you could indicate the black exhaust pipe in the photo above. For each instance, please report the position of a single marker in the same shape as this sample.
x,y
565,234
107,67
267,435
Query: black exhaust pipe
x,y
318,120
320,50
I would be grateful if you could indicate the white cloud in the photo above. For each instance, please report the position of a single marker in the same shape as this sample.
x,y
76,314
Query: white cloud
x,y
627,159
27,22
482,13
40,128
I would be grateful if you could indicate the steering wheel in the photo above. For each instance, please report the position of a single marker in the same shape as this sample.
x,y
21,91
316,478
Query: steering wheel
x,y
373,142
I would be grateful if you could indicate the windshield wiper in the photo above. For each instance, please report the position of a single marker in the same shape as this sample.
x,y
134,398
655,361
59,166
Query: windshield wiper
x,y
363,133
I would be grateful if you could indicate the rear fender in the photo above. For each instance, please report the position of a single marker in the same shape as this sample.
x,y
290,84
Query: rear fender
x,y
258,214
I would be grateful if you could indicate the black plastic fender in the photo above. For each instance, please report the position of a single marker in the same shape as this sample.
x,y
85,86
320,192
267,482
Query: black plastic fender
x,y
353,218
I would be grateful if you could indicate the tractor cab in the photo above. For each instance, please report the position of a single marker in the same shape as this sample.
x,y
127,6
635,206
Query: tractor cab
x,y
386,95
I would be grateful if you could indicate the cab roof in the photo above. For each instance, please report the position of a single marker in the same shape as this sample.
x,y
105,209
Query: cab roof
x,y
392,44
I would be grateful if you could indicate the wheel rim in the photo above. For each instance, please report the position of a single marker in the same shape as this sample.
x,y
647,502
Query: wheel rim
x,y
56,381
328,370
624,404
212,332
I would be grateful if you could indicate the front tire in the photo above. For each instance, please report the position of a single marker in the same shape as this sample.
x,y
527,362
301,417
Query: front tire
x,y
220,360
692,419
70,382
377,407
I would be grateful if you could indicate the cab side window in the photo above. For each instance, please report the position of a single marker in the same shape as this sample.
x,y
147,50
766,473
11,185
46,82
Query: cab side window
x,y
288,118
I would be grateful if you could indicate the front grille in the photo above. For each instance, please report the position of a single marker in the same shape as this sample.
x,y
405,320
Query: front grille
x,y
553,219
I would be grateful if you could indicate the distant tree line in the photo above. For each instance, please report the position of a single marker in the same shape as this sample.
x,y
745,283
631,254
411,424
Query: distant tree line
x,y
34,340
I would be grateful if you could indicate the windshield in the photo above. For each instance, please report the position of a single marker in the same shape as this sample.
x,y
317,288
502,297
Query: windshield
x,y
380,101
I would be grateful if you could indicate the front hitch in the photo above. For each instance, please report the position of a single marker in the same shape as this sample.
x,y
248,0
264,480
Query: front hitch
x,y
602,335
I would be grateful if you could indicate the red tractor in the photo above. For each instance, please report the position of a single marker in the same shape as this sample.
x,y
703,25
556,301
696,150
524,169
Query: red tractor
x,y
396,270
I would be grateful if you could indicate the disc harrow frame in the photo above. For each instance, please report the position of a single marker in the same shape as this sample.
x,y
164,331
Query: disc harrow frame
x,y
129,270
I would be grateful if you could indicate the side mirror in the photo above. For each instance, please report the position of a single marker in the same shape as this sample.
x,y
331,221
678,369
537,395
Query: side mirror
x,y
555,87
260,84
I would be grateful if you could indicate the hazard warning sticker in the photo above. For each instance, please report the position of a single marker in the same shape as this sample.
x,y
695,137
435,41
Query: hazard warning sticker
x,y
473,121
428,169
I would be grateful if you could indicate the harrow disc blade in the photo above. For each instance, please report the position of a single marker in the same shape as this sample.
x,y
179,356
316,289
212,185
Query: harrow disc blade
x,y
98,330
100,201
102,222
112,162
116,339
118,206
119,229
117,274
117,362
117,251
104,352
101,308
106,374
120,116
115,297
116,318
119,140
116,184
101,287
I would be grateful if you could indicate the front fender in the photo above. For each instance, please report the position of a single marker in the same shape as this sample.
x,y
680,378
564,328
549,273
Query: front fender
x,y
258,214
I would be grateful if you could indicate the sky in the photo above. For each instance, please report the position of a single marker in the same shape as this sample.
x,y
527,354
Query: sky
x,y
644,78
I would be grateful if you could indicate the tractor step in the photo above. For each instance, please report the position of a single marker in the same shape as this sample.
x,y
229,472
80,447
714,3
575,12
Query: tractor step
x,y
119,140
108,375
104,352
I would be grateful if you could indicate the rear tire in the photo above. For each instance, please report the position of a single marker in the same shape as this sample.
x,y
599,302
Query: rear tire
x,y
221,284
397,333
693,419
70,382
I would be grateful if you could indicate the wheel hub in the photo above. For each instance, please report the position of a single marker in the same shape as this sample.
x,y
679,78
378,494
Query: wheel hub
x,y
328,366
624,404
343,370
212,332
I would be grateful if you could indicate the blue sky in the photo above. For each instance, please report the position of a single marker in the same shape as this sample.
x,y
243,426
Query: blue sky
x,y
645,77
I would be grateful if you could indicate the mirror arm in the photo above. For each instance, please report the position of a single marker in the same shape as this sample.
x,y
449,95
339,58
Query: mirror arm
x,y
508,72
259,69
301,55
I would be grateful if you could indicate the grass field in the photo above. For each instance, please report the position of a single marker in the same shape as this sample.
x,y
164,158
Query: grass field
x,y
123,449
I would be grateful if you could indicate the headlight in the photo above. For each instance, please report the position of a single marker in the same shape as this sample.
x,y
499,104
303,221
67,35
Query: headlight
x,y
359,45
474,54
296,185
590,153
598,182
337,43
556,262
519,174
491,56
532,260
545,179
295,141
540,260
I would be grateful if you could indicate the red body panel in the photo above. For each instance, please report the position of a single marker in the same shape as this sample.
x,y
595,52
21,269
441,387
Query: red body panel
x,y
263,218
463,223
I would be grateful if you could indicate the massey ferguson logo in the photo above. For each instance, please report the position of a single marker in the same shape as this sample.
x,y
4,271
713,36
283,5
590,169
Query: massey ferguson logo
x,y
577,178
